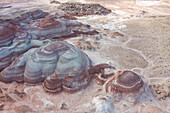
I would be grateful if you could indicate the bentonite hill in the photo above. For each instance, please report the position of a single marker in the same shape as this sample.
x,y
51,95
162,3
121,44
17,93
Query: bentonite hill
x,y
84,56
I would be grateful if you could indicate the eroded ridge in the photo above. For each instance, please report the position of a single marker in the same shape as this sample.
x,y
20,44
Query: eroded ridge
x,y
102,72
29,16
7,32
49,27
14,42
84,9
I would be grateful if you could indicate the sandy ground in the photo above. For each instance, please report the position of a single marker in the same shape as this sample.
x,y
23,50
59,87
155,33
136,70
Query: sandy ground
x,y
134,36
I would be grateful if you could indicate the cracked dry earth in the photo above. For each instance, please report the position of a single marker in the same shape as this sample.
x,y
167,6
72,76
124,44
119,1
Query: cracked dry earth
x,y
134,36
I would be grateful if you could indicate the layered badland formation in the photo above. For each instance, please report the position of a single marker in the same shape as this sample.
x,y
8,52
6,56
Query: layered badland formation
x,y
84,56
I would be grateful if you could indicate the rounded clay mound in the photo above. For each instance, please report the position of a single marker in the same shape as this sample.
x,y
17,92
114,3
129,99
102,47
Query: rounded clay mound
x,y
125,81
59,63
